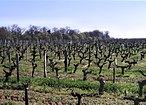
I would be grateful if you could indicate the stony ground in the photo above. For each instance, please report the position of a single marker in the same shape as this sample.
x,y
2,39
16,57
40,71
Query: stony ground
x,y
35,98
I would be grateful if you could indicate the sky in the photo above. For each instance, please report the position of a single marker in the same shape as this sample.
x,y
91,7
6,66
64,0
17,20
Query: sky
x,y
122,18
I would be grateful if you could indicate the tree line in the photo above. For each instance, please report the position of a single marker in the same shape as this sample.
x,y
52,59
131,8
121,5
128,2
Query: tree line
x,y
15,32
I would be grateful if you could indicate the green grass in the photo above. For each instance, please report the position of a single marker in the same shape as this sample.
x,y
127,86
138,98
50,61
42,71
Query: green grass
x,y
45,84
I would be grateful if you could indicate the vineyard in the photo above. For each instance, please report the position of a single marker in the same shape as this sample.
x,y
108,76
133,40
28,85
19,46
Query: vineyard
x,y
97,72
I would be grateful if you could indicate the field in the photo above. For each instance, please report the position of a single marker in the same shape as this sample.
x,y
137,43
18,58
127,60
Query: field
x,y
99,73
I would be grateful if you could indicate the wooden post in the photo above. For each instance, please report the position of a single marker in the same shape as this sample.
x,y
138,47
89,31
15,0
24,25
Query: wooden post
x,y
65,60
114,70
26,94
17,63
45,71
140,83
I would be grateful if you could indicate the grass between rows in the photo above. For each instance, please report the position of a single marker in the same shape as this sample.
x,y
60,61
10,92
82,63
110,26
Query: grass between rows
x,y
34,83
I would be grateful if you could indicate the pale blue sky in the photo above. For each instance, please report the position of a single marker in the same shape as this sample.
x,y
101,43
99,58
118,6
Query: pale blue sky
x,y
123,19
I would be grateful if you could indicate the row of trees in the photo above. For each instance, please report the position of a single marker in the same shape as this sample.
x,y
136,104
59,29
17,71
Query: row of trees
x,y
14,32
